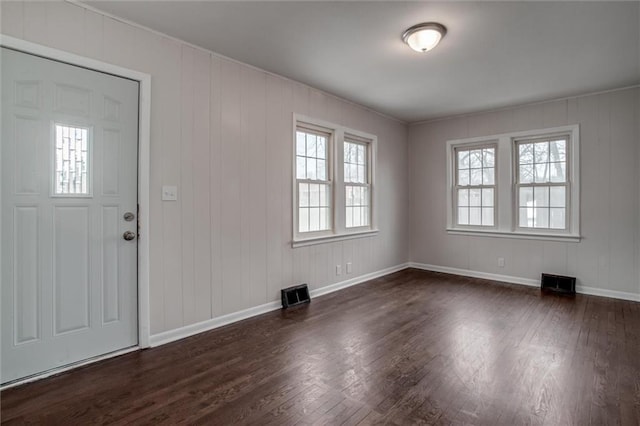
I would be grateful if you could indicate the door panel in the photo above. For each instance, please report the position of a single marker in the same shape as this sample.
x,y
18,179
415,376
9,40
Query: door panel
x,y
69,173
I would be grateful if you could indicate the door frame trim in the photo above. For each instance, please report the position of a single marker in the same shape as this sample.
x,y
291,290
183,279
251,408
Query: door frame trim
x,y
144,136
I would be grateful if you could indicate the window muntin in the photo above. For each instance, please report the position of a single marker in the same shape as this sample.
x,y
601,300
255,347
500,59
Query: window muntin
x,y
71,161
357,182
542,184
475,186
314,189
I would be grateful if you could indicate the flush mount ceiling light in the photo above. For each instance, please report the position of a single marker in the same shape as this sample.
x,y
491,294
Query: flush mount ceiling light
x,y
424,37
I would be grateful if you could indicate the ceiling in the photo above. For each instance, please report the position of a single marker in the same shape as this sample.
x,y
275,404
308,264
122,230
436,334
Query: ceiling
x,y
495,54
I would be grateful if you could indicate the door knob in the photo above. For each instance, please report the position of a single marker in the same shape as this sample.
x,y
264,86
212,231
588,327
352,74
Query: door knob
x,y
129,235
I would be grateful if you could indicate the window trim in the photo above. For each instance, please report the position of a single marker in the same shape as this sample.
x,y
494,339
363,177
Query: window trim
x,y
338,230
506,197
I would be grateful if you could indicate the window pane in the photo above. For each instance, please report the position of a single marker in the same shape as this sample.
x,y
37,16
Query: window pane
x,y
463,197
526,197
475,216
525,153
542,172
487,216
303,219
303,194
324,195
463,159
476,176
541,219
311,168
557,196
488,157
321,169
487,197
314,219
301,168
488,176
474,197
321,147
349,217
365,197
300,144
361,175
463,216
357,217
324,219
314,195
361,154
463,177
558,172
557,219
541,196
348,192
353,171
475,159
541,152
526,217
558,150
526,174
365,216
311,145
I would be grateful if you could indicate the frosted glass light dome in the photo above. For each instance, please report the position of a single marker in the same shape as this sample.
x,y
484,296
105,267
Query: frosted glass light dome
x,y
424,37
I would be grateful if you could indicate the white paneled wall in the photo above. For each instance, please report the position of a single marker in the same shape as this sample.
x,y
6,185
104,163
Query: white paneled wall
x,y
608,256
222,132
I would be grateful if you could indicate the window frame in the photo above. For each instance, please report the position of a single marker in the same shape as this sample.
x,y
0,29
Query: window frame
x,y
506,222
338,231
456,186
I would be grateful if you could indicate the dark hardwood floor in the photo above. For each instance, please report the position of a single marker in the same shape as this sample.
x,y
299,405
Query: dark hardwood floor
x,y
413,347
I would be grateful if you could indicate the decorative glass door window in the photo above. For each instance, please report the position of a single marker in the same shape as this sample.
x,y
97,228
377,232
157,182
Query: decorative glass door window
x,y
475,187
542,184
71,161
356,181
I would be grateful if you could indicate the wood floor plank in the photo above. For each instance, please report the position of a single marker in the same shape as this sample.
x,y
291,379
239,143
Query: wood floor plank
x,y
413,347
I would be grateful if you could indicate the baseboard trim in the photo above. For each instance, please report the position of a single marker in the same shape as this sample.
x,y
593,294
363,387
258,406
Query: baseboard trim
x,y
200,327
357,280
592,291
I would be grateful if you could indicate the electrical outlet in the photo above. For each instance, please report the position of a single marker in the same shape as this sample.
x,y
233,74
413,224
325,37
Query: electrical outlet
x,y
348,267
338,270
501,262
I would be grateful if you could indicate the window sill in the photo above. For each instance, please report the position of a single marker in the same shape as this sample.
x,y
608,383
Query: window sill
x,y
333,238
517,235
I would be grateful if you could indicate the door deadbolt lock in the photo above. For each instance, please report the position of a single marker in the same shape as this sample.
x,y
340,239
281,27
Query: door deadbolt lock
x,y
129,235
128,216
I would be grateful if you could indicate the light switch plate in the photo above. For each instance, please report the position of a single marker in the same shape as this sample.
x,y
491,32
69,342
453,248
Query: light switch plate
x,y
169,193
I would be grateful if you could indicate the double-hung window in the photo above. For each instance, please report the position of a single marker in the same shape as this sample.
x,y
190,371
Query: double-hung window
x,y
475,185
314,186
542,184
334,182
521,184
356,183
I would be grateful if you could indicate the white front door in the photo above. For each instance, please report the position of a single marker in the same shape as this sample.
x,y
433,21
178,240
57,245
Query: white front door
x,y
69,194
